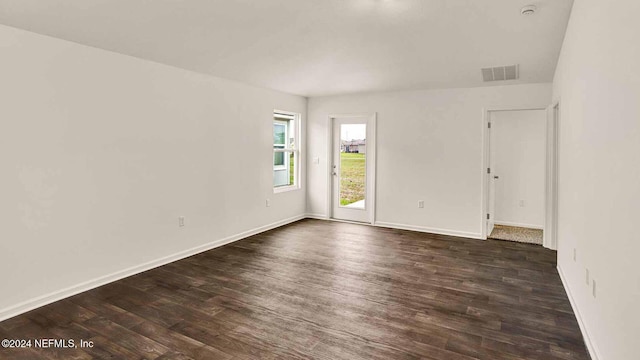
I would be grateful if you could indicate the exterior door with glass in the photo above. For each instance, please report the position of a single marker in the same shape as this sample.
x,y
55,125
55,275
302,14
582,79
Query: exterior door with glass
x,y
351,170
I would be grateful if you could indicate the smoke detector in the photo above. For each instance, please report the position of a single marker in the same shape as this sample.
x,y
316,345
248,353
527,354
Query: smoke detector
x,y
528,10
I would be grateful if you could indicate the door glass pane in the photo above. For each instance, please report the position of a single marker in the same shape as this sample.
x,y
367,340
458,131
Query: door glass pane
x,y
353,149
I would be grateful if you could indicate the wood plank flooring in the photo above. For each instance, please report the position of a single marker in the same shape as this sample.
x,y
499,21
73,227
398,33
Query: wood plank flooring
x,y
323,290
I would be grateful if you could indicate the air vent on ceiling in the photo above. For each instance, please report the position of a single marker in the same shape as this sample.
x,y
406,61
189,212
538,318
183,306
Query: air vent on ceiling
x,y
499,73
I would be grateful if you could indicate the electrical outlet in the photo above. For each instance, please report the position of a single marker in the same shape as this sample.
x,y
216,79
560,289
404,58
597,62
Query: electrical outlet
x,y
268,202
181,221
593,290
421,204
574,254
521,203
587,276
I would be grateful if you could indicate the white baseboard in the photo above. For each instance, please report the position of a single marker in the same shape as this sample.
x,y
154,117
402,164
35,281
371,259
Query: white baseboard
x,y
430,230
529,226
593,352
318,216
43,300
40,301
405,227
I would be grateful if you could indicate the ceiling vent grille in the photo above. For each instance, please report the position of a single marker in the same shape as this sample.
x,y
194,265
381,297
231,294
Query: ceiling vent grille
x,y
500,73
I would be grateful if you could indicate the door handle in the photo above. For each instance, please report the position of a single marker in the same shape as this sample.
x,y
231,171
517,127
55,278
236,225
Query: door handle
x,y
496,177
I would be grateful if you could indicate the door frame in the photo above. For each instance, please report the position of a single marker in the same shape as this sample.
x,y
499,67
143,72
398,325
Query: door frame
x,y
551,179
550,235
370,161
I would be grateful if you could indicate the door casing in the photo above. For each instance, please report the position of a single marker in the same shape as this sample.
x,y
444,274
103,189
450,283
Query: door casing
x,y
370,163
550,239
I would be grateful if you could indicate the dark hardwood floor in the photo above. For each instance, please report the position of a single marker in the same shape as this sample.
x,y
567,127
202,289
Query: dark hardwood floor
x,y
323,290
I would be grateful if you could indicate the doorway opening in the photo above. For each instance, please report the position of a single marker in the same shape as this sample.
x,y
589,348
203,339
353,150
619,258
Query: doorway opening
x,y
517,177
352,172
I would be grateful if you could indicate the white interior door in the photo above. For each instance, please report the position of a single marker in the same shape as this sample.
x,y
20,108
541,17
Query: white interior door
x,y
491,180
352,169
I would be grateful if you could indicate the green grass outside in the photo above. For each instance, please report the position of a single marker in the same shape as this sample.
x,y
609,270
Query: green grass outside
x,y
352,178
291,169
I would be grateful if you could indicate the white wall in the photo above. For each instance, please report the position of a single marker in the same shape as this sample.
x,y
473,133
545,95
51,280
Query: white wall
x,y
101,153
598,85
429,148
518,147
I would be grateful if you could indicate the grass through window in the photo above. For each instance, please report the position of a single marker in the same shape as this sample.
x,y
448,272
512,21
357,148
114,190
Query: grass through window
x,y
352,178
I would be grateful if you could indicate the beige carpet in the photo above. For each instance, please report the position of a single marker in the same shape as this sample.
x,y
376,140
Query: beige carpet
x,y
519,234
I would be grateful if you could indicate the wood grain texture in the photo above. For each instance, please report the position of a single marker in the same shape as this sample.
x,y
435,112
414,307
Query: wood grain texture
x,y
323,290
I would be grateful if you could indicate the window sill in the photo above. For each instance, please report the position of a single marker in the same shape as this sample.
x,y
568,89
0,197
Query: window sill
x,y
283,189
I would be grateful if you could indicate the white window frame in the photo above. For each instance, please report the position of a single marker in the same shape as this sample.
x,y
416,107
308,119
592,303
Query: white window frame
x,y
285,117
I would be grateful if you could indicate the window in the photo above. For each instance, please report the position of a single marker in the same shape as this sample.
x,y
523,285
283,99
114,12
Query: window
x,y
286,152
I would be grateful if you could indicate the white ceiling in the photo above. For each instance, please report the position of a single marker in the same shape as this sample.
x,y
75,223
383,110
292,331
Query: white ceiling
x,y
315,47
